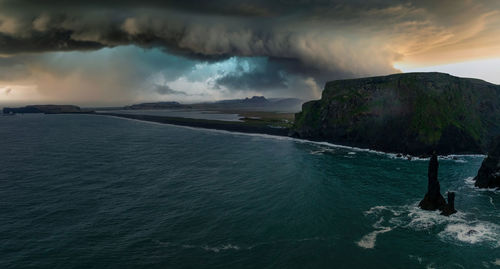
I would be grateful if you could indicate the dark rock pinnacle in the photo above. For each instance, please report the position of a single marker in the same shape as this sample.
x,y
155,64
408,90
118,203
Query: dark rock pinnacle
x,y
433,199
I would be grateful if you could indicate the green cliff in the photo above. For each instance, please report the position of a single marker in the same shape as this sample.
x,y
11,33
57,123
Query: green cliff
x,y
411,113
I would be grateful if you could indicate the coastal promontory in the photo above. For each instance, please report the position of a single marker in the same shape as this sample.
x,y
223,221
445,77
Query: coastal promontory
x,y
411,113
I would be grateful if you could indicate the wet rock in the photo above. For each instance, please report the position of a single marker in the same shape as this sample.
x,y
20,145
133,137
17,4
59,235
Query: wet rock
x,y
433,199
471,232
449,208
488,175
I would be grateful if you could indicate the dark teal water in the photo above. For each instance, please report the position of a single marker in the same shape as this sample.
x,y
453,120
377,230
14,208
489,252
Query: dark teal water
x,y
79,191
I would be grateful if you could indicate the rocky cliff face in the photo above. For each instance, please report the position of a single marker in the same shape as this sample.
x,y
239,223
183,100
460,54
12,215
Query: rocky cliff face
x,y
411,113
488,175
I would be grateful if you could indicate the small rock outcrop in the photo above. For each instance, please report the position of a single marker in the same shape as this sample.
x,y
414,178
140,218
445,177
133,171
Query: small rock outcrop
x,y
433,199
488,175
449,208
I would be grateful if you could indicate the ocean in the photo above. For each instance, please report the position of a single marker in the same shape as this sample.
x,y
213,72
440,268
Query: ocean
x,y
88,191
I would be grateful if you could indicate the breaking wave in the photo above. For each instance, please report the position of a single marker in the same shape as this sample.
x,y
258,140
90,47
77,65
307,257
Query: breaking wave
x,y
456,229
472,233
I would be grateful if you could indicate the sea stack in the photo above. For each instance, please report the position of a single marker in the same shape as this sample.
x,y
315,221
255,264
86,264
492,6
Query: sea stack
x,y
433,199
449,208
488,175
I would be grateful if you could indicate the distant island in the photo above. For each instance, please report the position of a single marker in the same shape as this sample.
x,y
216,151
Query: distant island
x,y
411,113
46,109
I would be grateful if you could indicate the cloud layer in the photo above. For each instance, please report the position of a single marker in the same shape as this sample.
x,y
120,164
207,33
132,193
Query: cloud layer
x,y
278,45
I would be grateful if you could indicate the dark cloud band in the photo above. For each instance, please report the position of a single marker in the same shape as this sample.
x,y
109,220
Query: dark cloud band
x,y
314,40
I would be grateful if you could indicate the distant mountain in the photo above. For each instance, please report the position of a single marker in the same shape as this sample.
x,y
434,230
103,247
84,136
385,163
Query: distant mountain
x,y
409,113
157,105
255,100
255,103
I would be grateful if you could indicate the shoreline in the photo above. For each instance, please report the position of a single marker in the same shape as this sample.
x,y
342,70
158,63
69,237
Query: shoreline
x,y
245,128
242,127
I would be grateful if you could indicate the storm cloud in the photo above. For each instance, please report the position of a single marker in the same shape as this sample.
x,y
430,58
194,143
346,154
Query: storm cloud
x,y
286,44
166,90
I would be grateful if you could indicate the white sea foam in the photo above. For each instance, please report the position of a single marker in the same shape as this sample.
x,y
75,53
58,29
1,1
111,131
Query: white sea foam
x,y
456,228
472,233
496,262
430,266
491,202
470,183
375,209
234,247
368,241
317,152
419,219
322,150
455,158
466,155
213,248
204,247
222,247
419,259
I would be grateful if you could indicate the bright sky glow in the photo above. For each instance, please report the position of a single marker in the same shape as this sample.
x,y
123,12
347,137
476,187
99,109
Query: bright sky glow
x,y
488,70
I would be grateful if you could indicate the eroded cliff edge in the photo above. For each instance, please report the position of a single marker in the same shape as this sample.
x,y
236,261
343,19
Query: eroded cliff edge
x,y
488,175
411,113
